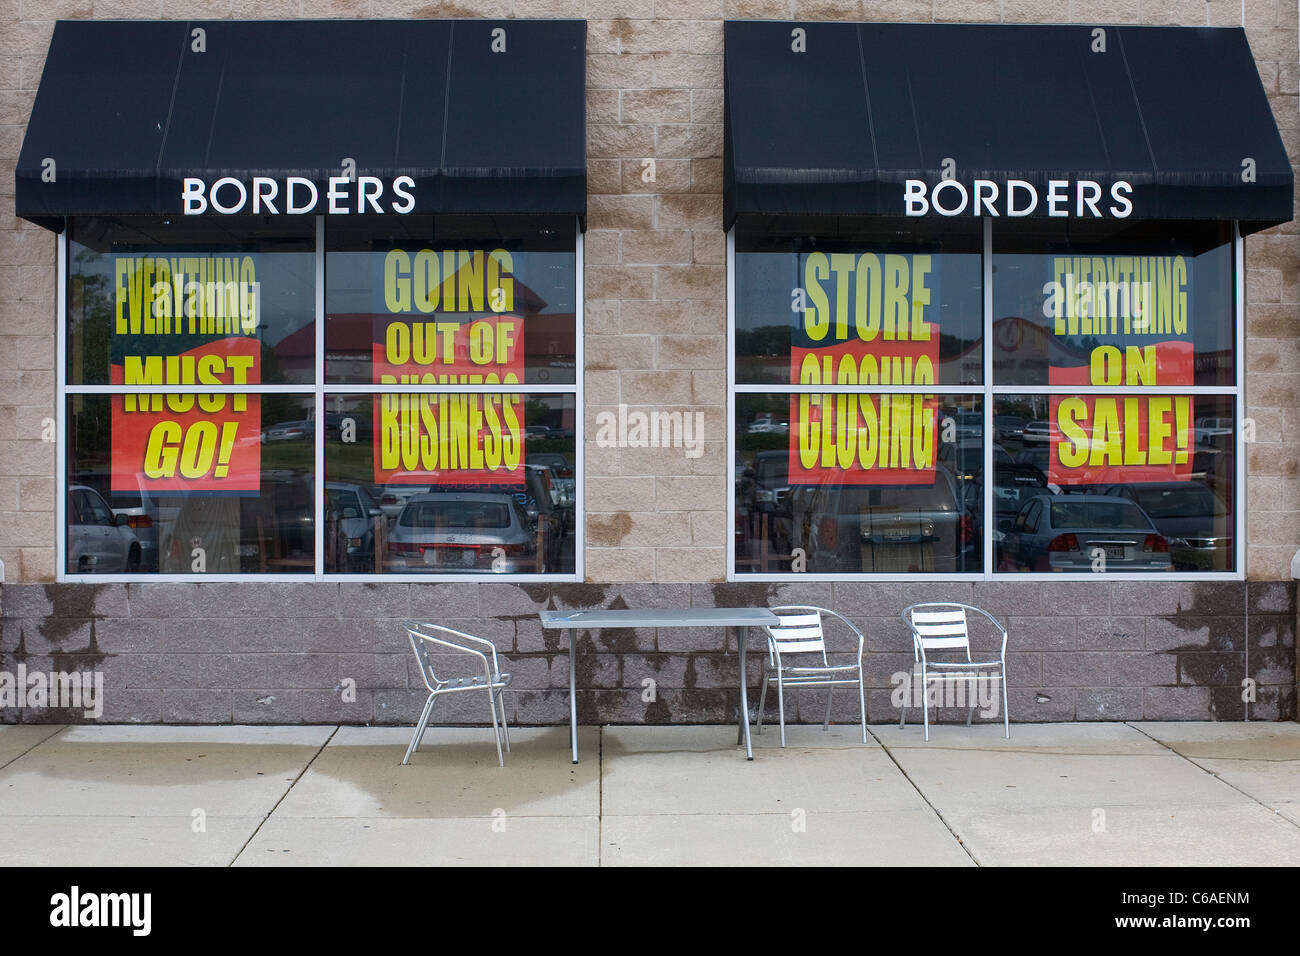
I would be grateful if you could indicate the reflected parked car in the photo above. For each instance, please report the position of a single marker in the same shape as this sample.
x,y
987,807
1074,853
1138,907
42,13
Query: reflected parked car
x,y
141,510
99,542
969,425
354,511
765,423
469,532
1009,428
1094,533
1013,486
561,475
289,431
771,496
883,528
1040,432
1190,516
964,458
1214,432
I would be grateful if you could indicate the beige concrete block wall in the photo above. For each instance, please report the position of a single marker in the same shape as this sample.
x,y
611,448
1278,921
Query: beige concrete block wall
x,y
655,284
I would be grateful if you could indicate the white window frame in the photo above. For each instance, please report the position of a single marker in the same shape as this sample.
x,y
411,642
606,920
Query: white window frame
x,y
988,393
320,392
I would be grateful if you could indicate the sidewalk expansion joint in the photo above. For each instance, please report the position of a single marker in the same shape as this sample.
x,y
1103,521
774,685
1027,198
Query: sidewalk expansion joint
x,y
935,810
287,790
1211,773
50,736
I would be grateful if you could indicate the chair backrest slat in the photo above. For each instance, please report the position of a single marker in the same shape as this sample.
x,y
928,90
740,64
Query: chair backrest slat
x,y
937,643
940,630
799,634
800,620
800,647
943,628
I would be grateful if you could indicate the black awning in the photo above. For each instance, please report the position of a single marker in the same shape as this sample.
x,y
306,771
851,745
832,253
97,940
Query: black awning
x,y
128,110
1178,114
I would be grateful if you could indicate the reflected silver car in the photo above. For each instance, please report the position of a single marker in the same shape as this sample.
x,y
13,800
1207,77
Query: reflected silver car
x,y
99,542
448,532
1092,533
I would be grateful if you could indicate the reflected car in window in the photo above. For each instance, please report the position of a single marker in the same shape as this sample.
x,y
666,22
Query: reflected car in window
x,y
1040,432
99,542
449,532
562,475
1013,486
895,528
1190,516
350,513
289,431
771,498
142,512
964,458
1009,428
1089,533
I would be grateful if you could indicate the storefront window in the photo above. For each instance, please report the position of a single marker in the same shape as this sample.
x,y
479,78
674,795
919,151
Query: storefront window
x,y
1102,442
414,486
149,298
460,474
1137,307
170,491
851,479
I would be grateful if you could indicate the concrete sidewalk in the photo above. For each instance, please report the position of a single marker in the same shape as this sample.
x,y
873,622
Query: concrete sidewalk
x,y
1208,794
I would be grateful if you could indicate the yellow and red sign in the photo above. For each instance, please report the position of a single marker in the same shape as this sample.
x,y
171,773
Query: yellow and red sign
x,y
1139,305
185,321
449,438
864,324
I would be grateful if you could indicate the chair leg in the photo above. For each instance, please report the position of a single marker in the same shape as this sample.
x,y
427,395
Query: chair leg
x,y
496,731
762,696
505,727
925,702
780,701
862,703
830,696
1006,717
419,730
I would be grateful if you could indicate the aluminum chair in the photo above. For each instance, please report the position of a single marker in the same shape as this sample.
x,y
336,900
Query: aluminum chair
x,y
493,680
939,626
800,634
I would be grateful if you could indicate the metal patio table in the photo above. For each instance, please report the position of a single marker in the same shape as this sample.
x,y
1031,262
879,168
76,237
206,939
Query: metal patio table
x,y
740,618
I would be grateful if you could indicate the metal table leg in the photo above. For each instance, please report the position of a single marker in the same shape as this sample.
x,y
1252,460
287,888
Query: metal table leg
x,y
573,693
744,693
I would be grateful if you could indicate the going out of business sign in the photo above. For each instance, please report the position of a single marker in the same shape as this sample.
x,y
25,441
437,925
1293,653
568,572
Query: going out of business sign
x,y
449,319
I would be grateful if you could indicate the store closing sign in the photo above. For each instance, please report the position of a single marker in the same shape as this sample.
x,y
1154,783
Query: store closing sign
x,y
865,323
456,438
1138,305
185,320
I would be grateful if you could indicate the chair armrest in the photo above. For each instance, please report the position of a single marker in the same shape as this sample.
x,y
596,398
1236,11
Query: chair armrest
x,y
417,629
996,623
849,624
